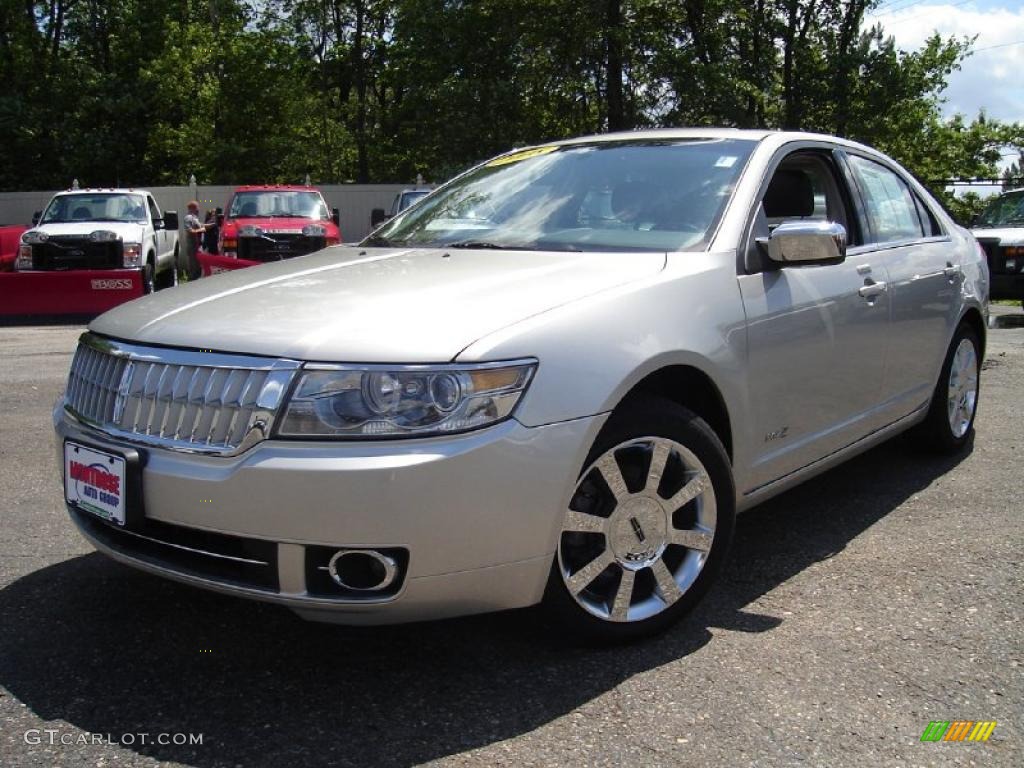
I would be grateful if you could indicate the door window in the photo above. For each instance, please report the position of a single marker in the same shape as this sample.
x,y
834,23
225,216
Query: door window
x,y
892,212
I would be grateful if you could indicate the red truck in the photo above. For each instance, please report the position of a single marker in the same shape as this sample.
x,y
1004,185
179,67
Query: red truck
x,y
270,223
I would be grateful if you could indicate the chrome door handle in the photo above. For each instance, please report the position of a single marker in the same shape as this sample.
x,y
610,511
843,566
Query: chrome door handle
x,y
870,290
951,271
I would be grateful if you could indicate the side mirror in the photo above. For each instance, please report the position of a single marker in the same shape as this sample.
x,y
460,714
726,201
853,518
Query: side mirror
x,y
974,220
170,220
378,217
807,242
36,217
336,217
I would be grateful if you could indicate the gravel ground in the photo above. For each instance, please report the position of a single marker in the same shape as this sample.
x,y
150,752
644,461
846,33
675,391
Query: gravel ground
x,y
856,609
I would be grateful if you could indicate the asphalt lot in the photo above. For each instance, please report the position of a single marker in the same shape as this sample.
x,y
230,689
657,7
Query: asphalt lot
x,y
856,609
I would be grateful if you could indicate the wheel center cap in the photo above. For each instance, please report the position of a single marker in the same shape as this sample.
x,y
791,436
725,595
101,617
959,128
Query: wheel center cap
x,y
638,531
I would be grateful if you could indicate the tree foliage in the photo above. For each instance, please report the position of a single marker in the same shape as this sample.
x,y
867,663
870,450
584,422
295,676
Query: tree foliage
x,y
231,91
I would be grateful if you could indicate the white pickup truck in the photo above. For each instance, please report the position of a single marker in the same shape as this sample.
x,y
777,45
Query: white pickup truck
x,y
99,229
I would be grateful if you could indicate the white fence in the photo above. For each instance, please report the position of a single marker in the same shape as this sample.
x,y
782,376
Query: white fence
x,y
353,201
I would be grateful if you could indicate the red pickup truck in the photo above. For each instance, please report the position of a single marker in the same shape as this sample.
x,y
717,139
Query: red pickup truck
x,y
270,223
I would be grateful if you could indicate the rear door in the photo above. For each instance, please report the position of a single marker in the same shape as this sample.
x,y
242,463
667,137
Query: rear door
x,y
816,332
924,281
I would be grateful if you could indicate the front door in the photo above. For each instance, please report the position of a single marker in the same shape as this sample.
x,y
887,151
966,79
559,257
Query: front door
x,y
817,334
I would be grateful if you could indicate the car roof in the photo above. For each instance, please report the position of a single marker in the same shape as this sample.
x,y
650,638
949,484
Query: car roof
x,y
104,190
776,138
275,188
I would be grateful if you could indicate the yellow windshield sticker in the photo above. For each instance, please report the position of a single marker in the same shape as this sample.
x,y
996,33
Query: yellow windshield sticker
x,y
515,157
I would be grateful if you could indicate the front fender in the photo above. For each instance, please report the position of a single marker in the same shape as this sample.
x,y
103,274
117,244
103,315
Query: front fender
x,y
592,352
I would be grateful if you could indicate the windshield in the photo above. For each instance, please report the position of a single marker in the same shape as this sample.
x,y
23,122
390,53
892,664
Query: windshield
x,y
95,207
408,198
271,204
1003,210
633,195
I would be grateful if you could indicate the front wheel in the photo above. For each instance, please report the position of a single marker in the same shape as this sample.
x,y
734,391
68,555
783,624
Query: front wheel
x,y
950,421
148,277
647,527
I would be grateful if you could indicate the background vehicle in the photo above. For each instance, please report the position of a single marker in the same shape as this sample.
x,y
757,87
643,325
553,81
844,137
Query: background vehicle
x,y
270,223
1000,231
10,239
91,249
555,380
402,200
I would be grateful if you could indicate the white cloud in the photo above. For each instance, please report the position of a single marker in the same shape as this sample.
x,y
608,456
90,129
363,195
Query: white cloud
x,y
989,79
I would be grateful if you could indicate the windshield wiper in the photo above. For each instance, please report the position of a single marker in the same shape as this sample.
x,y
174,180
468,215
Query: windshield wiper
x,y
377,242
483,244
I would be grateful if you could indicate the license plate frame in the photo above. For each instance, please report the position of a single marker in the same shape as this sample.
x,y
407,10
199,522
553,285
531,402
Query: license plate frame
x,y
83,495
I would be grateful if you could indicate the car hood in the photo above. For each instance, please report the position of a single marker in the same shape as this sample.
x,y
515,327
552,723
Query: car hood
x,y
292,224
1002,234
371,305
127,231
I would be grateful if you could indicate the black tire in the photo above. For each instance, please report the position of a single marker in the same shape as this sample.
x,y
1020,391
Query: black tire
x,y
936,434
635,420
166,279
148,277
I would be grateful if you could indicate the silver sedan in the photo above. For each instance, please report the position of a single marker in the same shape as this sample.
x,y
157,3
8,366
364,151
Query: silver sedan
x,y
555,380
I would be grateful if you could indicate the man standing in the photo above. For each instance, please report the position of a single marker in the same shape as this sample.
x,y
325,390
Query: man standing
x,y
195,230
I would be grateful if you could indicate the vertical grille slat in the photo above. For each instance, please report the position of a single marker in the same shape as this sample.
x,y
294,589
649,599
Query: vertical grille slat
x,y
180,402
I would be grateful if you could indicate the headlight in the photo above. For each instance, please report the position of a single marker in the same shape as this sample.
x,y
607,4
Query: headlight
x,y
34,236
250,230
24,260
412,401
103,236
314,230
132,254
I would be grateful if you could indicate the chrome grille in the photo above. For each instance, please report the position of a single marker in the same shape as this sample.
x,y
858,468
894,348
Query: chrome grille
x,y
192,401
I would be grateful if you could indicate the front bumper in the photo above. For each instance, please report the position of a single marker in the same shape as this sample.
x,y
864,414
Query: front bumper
x,y
477,514
1006,286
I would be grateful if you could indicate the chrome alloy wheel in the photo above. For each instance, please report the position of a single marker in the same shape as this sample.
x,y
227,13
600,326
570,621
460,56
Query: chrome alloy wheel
x,y
638,529
962,397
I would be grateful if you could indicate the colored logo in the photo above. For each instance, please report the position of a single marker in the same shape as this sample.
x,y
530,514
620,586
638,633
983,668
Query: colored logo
x,y
958,730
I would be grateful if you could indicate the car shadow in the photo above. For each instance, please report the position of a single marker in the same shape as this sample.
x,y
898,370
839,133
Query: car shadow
x,y
113,651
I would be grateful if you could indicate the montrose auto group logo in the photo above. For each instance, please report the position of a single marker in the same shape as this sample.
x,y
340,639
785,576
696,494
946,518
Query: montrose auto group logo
x,y
93,481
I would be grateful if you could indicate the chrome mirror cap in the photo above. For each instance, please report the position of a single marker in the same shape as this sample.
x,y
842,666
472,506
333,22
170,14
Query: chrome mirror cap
x,y
807,241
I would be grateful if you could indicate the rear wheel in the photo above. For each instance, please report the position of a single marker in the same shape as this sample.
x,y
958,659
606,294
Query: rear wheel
x,y
647,527
950,420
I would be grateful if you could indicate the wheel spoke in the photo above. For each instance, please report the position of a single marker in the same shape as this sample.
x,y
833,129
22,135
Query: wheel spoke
x,y
659,458
694,488
692,539
579,580
668,590
582,522
623,596
609,469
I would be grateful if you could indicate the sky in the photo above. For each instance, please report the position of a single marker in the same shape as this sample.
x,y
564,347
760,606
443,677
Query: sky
x,y
993,77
